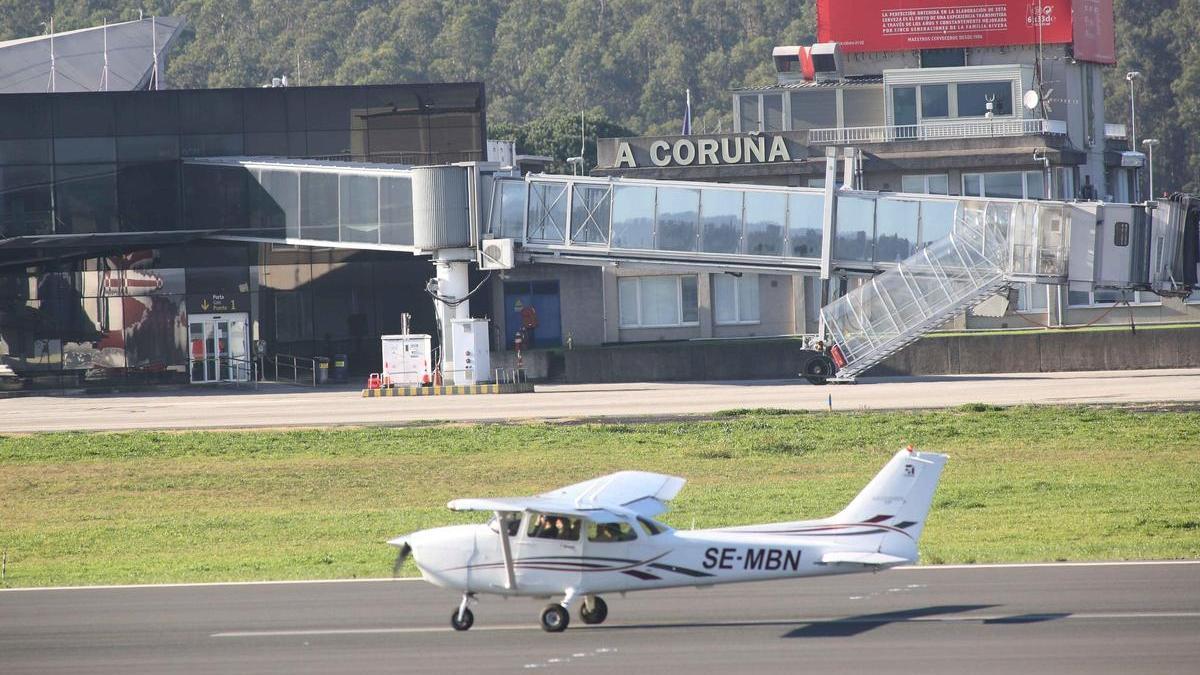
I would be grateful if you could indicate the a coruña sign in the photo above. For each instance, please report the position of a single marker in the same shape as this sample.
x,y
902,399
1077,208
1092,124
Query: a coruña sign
x,y
717,150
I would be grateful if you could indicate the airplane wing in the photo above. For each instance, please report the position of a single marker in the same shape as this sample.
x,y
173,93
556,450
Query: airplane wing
x,y
518,504
869,558
642,492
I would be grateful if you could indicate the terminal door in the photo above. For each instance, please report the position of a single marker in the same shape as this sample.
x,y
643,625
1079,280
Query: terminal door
x,y
219,348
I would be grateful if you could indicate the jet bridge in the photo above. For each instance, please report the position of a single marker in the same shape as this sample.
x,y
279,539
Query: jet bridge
x,y
932,256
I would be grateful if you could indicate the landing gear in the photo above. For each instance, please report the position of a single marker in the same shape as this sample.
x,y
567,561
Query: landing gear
x,y
594,610
555,618
818,369
462,618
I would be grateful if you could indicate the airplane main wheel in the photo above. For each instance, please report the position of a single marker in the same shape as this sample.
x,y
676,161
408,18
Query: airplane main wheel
x,y
598,613
555,619
468,619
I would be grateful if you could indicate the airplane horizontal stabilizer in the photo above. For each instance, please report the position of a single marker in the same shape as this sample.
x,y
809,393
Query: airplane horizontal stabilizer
x,y
871,558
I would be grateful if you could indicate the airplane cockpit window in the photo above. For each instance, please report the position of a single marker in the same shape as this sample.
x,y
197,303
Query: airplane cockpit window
x,y
514,524
550,526
652,528
610,532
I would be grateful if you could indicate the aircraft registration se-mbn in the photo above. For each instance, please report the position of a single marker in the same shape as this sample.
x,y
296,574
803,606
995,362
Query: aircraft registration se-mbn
x,y
600,536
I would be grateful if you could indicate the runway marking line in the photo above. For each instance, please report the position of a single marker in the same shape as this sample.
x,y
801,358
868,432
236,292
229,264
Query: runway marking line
x,y
281,582
713,624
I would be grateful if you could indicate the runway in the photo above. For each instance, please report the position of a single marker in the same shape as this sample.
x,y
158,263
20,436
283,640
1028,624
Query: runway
x,y
282,406
1104,618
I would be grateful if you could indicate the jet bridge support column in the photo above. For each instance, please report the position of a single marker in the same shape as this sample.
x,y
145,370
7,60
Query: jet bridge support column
x,y
827,231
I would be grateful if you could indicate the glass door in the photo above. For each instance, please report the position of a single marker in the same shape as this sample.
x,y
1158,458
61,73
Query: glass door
x,y
219,348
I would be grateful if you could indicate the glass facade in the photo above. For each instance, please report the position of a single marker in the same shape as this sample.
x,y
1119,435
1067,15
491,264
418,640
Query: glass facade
x,y
127,170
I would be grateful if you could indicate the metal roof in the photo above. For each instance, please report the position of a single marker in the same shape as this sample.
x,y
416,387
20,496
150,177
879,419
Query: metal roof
x,y
79,57
858,81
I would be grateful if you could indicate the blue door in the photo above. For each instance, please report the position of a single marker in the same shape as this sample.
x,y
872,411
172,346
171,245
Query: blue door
x,y
537,303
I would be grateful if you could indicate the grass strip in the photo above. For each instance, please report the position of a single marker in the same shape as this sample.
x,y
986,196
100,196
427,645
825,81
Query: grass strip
x,y
1023,484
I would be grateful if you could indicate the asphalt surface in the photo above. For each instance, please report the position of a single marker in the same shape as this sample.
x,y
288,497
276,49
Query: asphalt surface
x,y
283,406
1142,618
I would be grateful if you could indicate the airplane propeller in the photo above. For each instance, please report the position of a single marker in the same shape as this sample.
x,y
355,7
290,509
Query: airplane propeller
x,y
405,550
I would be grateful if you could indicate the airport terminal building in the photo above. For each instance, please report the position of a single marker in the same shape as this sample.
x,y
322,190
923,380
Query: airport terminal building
x,y
158,235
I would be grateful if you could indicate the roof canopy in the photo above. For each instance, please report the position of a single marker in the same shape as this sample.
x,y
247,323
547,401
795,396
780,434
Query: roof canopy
x,y
25,64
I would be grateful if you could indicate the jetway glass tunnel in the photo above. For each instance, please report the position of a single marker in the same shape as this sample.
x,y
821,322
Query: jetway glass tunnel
x,y
302,202
714,223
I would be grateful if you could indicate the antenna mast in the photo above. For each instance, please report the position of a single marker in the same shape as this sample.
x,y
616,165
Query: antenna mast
x,y
52,85
104,73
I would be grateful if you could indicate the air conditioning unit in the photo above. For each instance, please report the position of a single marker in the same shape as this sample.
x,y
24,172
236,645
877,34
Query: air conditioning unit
x,y
496,254
827,61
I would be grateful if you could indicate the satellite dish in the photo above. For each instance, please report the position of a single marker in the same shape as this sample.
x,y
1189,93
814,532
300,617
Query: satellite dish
x,y
1031,99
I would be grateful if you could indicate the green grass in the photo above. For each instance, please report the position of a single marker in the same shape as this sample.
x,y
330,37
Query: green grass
x,y
1023,484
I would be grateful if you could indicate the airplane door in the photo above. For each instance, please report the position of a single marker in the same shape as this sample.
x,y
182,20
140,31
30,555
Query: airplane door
x,y
547,557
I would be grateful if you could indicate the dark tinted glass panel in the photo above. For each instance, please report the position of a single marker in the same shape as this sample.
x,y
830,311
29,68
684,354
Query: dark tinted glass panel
x,y
765,224
266,110
334,107
855,228
147,148
210,145
25,201
935,101
805,215
85,198
360,209
85,150
329,144
896,231
904,105
87,114
282,188
973,98
943,58
394,145
319,206
268,144
381,100
395,211
632,223
147,112
225,280
210,112
25,151
814,110
214,197
678,209
24,116
156,332
148,196
721,221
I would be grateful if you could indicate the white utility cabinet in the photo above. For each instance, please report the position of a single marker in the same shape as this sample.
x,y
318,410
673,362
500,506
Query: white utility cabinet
x,y
472,354
407,359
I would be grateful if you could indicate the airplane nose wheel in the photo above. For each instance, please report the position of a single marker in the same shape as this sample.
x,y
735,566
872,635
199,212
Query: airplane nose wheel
x,y
462,620
594,610
555,619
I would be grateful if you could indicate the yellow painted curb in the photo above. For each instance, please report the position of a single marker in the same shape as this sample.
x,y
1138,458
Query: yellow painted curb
x,y
453,390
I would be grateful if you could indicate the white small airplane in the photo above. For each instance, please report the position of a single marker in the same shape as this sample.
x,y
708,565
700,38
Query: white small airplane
x,y
600,536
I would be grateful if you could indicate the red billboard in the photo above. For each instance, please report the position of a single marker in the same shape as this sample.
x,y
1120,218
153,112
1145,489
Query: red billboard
x,y
896,25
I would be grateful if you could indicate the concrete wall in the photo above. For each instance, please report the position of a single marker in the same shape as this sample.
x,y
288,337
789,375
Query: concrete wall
x,y
1035,351
1047,351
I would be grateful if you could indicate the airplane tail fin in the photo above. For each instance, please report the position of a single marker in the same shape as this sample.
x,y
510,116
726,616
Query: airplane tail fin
x,y
898,499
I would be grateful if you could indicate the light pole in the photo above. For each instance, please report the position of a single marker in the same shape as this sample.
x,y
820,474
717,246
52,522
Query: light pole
x,y
1137,182
1150,143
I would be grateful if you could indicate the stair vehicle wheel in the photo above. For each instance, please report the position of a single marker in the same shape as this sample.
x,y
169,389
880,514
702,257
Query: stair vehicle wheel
x,y
818,370
555,619
598,613
468,619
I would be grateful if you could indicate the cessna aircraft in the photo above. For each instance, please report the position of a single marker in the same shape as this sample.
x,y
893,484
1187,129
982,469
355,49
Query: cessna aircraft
x,y
600,536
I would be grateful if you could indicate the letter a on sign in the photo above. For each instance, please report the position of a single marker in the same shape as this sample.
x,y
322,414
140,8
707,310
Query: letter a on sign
x,y
625,156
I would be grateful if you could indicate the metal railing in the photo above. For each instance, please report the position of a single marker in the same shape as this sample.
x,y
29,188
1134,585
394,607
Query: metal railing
x,y
938,131
300,370
229,369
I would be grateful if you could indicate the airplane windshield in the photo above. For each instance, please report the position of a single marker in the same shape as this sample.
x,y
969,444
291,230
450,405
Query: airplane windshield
x,y
651,527
514,524
550,526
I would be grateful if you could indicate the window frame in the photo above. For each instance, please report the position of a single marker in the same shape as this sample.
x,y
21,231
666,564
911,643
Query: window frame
x,y
637,281
745,277
982,175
